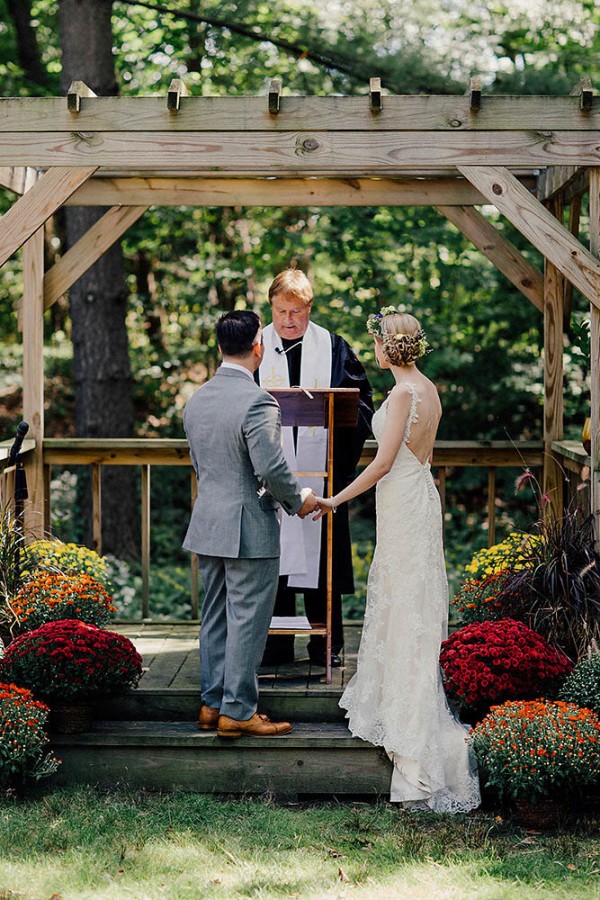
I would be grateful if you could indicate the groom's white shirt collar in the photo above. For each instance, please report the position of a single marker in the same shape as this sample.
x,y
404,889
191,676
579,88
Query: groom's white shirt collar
x,y
230,365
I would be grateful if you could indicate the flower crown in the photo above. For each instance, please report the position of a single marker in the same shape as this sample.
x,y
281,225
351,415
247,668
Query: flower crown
x,y
413,346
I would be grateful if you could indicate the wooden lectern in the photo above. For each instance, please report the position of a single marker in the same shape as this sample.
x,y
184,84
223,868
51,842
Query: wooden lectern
x,y
325,408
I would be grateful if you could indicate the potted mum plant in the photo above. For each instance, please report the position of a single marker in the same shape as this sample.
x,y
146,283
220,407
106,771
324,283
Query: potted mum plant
x,y
69,663
582,686
489,662
50,596
23,737
537,752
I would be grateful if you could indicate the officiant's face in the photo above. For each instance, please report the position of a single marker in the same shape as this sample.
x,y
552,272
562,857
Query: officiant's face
x,y
291,316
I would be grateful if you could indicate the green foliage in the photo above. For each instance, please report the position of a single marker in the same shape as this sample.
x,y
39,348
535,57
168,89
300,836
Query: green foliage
x,y
582,686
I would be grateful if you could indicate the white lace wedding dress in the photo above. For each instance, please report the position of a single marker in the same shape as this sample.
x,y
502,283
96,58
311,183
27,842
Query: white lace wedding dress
x,y
396,699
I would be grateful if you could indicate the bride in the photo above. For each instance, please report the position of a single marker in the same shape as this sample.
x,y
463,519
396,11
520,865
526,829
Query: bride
x,y
396,698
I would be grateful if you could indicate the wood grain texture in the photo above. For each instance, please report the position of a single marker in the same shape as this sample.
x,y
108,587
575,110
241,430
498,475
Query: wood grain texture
x,y
31,210
499,251
88,250
33,378
294,152
539,225
553,385
276,192
399,113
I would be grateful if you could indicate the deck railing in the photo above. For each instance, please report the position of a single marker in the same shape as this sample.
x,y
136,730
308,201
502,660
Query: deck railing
x,y
145,453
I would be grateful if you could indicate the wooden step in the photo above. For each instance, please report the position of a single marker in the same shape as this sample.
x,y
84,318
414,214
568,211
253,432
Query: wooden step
x,y
315,758
294,703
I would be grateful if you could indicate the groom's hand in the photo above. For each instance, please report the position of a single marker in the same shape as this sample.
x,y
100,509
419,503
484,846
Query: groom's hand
x,y
309,505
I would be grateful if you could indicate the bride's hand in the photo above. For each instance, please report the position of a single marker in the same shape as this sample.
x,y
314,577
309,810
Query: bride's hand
x,y
325,506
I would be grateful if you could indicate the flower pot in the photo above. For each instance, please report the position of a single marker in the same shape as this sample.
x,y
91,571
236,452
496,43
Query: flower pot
x,y
540,814
73,717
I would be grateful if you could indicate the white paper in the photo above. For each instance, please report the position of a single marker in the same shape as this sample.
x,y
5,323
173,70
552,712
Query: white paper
x,y
295,622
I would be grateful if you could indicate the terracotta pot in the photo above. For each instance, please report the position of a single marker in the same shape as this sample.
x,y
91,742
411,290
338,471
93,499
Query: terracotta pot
x,y
73,717
541,814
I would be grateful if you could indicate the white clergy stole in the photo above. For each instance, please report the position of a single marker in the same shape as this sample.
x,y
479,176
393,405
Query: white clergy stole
x,y
301,538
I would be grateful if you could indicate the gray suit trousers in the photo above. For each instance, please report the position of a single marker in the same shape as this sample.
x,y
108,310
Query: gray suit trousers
x,y
238,605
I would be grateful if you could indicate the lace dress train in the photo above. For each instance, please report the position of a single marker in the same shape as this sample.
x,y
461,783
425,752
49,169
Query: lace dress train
x,y
396,699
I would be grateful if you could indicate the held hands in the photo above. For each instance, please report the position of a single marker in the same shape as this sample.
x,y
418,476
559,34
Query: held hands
x,y
309,505
325,506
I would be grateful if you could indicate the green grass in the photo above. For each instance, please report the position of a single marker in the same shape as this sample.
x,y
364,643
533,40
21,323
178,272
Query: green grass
x,y
79,844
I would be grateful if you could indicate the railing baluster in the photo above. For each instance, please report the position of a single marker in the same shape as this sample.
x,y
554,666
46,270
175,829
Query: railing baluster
x,y
97,507
194,558
145,542
491,505
47,476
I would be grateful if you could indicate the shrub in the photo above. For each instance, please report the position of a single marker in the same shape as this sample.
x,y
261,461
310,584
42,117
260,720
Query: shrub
x,y
66,559
582,686
488,662
51,596
557,592
511,553
477,599
69,658
537,750
22,736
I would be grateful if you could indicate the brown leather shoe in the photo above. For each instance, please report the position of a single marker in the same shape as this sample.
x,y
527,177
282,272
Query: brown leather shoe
x,y
208,718
258,725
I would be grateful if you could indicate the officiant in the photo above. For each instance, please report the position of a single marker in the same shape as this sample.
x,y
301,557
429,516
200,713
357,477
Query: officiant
x,y
299,353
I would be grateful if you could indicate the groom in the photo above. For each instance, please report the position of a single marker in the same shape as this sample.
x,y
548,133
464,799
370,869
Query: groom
x,y
233,428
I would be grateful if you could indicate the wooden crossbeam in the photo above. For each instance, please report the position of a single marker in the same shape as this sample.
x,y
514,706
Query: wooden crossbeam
x,y
77,90
595,353
568,181
539,226
177,90
88,250
276,192
402,113
31,210
13,178
289,153
501,252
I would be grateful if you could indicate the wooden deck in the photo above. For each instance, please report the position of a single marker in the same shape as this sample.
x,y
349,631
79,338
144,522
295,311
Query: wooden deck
x,y
149,738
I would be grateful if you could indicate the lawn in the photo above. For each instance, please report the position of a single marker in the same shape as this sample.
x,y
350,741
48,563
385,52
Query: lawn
x,y
79,844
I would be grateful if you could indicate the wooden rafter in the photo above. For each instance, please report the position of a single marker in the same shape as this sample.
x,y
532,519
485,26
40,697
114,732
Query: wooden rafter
x,y
501,252
533,220
595,351
546,115
276,192
570,182
87,250
31,210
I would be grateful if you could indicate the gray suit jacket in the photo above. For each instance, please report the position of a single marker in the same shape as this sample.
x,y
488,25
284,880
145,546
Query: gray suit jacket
x,y
233,428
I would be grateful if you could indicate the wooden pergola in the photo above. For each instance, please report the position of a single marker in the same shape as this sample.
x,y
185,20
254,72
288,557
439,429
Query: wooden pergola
x,y
530,157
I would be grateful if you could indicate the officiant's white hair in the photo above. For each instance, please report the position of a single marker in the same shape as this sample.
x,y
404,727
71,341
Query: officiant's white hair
x,y
292,284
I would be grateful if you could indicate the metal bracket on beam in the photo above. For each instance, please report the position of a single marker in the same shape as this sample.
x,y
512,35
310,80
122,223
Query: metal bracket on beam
x,y
77,90
375,89
177,90
475,94
274,95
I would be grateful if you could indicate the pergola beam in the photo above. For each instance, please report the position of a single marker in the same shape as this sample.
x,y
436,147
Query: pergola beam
x,y
533,220
88,250
414,112
595,352
276,192
31,210
571,182
345,154
501,252
12,178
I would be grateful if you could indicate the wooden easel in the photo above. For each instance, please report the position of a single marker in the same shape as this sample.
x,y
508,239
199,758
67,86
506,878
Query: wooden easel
x,y
324,408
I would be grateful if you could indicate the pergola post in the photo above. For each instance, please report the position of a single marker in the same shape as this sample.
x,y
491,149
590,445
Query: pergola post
x,y
32,321
595,353
553,378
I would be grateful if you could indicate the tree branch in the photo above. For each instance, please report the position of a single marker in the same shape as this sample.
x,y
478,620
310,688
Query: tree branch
x,y
300,52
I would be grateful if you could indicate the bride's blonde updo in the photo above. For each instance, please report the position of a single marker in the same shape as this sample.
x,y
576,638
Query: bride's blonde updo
x,y
402,337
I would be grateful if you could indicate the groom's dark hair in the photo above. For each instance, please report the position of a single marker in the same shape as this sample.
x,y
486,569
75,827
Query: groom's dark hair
x,y
236,331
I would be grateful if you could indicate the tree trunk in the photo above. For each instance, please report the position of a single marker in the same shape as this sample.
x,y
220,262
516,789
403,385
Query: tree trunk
x,y
27,46
98,300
